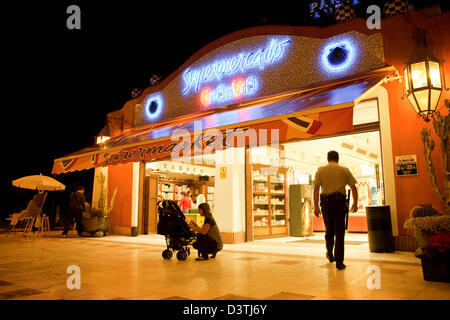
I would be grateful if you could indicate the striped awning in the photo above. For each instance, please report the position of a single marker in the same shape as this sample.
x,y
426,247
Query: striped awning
x,y
324,109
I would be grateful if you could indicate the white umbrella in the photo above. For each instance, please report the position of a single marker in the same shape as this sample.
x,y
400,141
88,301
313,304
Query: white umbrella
x,y
39,182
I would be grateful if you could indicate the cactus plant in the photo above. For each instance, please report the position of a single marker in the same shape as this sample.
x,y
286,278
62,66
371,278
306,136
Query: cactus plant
x,y
441,125
96,221
102,205
424,210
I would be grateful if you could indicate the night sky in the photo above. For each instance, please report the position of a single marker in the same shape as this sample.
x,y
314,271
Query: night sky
x,y
61,83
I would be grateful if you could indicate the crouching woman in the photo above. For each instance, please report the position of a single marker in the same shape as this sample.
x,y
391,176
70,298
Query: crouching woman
x,y
209,240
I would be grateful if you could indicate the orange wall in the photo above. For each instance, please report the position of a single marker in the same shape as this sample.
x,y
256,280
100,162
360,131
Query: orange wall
x,y
405,125
121,176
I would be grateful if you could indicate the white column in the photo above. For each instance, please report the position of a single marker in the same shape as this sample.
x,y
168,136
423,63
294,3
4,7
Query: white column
x,y
381,94
229,191
135,196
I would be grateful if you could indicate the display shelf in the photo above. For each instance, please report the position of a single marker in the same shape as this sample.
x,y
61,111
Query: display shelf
x,y
268,192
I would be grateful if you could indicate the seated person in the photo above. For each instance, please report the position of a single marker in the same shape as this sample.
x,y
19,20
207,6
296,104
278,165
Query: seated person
x,y
209,240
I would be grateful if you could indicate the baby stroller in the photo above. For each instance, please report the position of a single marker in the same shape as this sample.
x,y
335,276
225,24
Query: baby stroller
x,y
172,224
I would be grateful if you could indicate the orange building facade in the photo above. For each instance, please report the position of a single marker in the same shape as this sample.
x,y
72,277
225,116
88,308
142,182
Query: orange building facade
x,y
282,80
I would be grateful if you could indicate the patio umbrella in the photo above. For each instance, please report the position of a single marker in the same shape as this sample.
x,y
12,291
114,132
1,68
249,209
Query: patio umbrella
x,y
39,182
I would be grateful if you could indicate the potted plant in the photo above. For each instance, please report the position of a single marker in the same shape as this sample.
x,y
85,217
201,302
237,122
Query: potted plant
x,y
436,258
95,221
425,220
441,125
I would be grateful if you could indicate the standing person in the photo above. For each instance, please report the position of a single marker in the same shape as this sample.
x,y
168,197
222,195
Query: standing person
x,y
209,240
189,194
75,210
331,180
185,202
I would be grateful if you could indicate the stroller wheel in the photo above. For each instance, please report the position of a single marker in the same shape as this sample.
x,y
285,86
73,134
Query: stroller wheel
x,y
167,254
182,255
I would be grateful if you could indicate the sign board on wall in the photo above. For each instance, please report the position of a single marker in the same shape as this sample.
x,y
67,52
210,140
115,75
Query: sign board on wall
x,y
328,6
259,66
406,165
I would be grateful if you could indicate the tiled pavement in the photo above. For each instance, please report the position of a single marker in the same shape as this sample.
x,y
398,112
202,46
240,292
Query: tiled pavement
x,y
116,268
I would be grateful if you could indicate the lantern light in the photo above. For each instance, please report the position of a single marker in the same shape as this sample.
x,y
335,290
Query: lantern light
x,y
423,78
103,135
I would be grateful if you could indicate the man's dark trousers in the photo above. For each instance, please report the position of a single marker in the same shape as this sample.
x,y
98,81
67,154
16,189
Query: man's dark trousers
x,y
334,208
73,214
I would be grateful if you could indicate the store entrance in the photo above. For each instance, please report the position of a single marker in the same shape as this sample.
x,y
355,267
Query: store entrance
x,y
282,196
170,180
361,153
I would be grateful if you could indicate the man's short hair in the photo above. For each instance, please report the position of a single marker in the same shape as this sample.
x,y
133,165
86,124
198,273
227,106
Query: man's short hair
x,y
333,156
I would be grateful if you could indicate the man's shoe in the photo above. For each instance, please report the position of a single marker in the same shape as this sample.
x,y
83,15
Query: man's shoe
x,y
201,259
213,255
340,266
330,258
63,235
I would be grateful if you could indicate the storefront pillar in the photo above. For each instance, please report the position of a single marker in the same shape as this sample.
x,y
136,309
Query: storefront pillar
x,y
381,94
135,197
229,197
120,177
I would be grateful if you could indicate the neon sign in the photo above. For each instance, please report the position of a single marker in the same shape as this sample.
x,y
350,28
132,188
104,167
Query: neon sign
x,y
239,87
153,106
239,63
338,56
328,6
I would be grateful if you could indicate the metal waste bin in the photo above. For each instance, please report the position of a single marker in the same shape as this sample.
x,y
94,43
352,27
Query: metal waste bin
x,y
380,229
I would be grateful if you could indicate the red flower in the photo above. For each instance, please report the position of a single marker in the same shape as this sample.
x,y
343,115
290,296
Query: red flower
x,y
439,244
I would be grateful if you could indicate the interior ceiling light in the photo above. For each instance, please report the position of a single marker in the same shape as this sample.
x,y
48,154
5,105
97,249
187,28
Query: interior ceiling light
x,y
346,146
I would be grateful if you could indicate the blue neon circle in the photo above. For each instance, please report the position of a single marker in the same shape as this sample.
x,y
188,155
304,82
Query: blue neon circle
x,y
153,106
338,56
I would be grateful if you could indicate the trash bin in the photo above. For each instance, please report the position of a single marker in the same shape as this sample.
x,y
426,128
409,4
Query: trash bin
x,y
380,229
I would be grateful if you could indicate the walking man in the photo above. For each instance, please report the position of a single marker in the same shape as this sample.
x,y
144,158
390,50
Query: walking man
x,y
331,181
75,210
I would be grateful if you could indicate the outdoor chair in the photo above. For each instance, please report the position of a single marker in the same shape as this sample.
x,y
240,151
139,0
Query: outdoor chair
x,y
28,217
34,213
18,222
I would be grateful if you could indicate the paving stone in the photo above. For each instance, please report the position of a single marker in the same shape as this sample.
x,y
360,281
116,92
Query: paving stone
x,y
18,293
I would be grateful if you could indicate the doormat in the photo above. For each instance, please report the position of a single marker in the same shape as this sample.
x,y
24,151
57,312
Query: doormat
x,y
350,242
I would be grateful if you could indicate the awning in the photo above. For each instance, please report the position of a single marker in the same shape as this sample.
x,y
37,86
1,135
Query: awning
x,y
324,109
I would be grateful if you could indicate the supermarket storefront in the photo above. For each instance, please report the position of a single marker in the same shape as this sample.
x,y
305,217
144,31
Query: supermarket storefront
x,y
245,123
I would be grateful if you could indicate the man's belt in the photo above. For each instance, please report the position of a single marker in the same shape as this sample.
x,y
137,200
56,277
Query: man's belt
x,y
332,196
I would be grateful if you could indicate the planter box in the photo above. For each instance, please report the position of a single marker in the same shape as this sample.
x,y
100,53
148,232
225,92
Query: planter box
x,y
423,237
95,224
436,269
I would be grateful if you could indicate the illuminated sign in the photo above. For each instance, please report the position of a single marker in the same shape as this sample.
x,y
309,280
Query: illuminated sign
x,y
153,106
237,65
238,87
338,56
328,6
